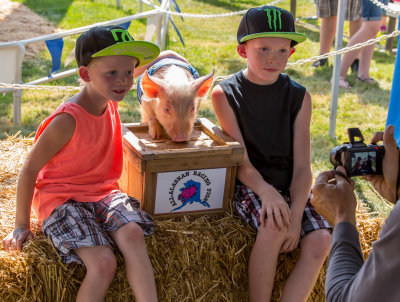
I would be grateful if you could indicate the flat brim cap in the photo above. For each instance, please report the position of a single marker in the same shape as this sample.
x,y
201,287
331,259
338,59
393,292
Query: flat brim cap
x,y
268,21
113,41
144,51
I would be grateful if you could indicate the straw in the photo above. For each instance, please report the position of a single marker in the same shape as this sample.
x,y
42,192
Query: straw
x,y
194,259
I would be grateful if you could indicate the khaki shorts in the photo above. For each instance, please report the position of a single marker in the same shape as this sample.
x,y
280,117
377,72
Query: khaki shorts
x,y
328,8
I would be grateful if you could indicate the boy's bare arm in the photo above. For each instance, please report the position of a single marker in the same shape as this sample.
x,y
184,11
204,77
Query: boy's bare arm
x,y
274,204
302,174
54,137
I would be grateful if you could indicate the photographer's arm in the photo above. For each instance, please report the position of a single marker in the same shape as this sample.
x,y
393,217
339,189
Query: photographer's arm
x,y
333,197
348,277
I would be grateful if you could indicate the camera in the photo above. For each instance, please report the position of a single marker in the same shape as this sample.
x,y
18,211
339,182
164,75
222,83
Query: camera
x,y
356,157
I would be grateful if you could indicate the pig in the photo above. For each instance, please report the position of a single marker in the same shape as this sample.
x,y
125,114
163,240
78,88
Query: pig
x,y
171,93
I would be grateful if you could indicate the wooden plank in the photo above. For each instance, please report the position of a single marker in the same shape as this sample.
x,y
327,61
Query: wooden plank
x,y
150,185
192,163
216,133
132,178
229,186
135,160
133,143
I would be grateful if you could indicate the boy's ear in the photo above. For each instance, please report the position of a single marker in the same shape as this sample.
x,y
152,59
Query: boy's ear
x,y
292,50
241,49
84,73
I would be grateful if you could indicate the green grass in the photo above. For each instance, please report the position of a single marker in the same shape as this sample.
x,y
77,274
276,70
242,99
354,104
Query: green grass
x,y
211,43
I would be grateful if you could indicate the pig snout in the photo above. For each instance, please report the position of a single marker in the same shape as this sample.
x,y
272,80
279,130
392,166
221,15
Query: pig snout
x,y
180,130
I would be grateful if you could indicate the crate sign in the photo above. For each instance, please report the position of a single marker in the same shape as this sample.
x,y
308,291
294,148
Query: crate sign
x,y
192,190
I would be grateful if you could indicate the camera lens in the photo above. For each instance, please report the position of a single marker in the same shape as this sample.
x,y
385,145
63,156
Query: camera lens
x,y
335,156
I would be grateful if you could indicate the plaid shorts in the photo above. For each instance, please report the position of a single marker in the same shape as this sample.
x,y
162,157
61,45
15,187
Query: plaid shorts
x,y
248,206
328,8
74,224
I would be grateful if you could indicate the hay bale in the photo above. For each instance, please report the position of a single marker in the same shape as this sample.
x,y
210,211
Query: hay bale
x,y
194,259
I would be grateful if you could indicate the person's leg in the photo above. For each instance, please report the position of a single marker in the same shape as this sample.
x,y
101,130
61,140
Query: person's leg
x,y
382,24
366,32
130,240
314,250
262,263
371,29
101,266
354,26
327,34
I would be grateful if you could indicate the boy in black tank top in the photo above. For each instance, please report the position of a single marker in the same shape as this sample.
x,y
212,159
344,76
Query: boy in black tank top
x,y
270,115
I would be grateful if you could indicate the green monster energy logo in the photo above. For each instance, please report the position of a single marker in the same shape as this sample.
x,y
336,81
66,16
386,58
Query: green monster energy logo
x,y
274,15
123,33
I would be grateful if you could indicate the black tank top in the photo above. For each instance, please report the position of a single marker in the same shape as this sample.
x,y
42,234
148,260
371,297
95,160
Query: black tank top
x,y
266,114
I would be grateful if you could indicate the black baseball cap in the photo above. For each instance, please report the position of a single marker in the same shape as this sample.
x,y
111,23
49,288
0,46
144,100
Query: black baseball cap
x,y
112,40
268,21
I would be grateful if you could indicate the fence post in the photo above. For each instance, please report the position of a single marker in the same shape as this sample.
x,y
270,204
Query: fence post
x,y
11,73
293,8
17,96
336,68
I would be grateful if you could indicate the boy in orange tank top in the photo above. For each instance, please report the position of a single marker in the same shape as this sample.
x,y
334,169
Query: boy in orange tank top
x,y
70,176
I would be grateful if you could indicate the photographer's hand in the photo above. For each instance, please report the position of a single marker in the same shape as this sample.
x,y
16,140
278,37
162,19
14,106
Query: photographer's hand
x,y
386,184
333,197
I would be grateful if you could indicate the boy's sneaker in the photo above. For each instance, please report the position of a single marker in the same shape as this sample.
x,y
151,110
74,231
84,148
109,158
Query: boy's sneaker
x,y
354,65
319,63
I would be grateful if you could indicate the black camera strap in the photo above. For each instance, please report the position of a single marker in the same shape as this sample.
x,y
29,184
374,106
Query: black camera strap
x,y
342,175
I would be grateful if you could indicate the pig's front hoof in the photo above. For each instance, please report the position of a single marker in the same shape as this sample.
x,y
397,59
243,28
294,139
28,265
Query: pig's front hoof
x,y
155,131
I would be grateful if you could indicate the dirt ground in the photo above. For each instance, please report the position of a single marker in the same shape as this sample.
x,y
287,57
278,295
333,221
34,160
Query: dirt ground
x,y
17,22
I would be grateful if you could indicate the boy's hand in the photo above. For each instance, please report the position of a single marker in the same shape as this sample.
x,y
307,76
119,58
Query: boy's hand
x,y
275,208
293,237
386,183
16,239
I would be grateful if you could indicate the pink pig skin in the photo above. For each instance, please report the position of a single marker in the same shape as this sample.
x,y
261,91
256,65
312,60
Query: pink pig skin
x,y
171,100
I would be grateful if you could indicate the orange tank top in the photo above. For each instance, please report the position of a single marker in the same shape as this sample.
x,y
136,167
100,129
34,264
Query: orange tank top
x,y
88,167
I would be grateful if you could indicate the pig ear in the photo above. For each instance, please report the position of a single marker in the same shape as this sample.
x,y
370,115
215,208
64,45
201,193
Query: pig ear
x,y
149,86
203,84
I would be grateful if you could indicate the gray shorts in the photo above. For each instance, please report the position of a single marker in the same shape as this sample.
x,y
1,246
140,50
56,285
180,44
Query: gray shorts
x,y
248,206
74,224
328,8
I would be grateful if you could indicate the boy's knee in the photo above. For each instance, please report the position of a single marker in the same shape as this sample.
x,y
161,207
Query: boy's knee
x,y
105,265
317,244
131,232
268,236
